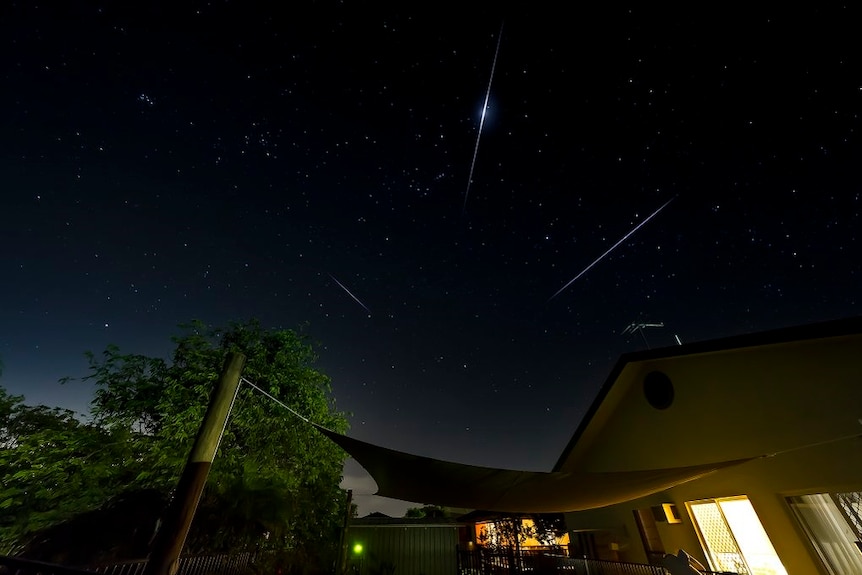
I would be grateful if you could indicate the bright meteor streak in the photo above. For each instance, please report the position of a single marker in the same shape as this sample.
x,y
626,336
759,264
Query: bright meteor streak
x,y
356,299
482,120
612,248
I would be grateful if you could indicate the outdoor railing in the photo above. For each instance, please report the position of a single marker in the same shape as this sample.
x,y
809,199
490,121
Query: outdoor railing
x,y
200,565
238,564
483,562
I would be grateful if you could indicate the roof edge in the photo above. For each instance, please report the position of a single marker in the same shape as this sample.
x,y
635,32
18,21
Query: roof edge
x,y
810,331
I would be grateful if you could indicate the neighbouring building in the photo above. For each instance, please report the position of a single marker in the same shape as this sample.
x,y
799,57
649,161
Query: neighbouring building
x,y
380,545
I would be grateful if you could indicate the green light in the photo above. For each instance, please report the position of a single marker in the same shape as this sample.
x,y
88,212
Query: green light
x,y
357,548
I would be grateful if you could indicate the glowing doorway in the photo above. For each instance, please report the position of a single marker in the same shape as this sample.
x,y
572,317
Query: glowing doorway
x,y
733,537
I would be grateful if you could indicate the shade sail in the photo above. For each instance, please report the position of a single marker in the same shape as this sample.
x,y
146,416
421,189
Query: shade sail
x,y
434,482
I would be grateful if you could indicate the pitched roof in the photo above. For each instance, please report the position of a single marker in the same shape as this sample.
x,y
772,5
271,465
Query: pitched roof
x,y
813,331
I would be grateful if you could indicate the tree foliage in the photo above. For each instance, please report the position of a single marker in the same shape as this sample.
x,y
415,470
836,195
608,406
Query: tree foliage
x,y
52,467
274,482
427,511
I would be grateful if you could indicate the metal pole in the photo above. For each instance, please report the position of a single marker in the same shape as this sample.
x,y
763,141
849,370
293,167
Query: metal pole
x,y
169,540
641,329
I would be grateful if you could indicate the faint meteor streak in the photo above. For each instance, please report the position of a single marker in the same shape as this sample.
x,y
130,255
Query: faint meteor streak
x,y
612,248
356,299
482,120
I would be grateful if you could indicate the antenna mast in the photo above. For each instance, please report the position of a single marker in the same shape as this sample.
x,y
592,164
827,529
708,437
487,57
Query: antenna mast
x,y
637,326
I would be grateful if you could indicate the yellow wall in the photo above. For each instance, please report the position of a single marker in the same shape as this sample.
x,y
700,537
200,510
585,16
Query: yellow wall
x,y
728,405
766,482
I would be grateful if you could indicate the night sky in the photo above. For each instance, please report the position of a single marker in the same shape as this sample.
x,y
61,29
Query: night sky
x,y
162,162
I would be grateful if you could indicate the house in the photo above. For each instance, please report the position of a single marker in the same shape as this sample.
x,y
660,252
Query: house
x,y
787,403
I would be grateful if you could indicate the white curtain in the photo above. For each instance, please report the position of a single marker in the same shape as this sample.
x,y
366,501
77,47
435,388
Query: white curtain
x,y
829,532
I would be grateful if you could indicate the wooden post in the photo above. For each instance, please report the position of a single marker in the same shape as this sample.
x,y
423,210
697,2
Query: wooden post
x,y
171,536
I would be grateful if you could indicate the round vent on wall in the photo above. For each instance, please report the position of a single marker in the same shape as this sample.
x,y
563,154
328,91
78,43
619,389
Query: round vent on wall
x,y
658,390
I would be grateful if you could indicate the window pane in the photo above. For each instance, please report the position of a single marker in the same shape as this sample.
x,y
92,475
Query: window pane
x,y
721,549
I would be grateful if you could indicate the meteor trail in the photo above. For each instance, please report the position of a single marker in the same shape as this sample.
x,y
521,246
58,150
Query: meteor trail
x,y
482,121
612,248
356,299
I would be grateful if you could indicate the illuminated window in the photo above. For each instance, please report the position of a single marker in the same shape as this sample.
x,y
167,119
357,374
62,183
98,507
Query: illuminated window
x,y
832,523
502,533
733,538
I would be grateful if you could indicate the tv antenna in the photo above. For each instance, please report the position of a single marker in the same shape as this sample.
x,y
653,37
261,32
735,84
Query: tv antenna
x,y
637,326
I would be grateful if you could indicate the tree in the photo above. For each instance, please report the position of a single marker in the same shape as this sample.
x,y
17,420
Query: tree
x,y
52,468
275,480
549,527
426,511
